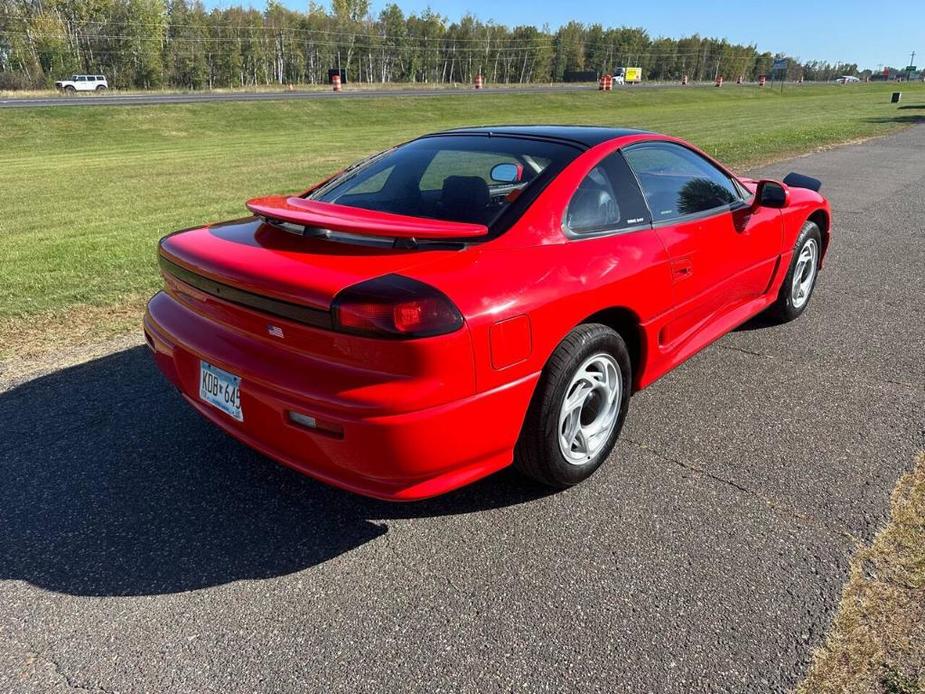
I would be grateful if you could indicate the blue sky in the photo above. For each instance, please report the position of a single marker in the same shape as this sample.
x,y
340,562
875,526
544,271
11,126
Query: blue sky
x,y
868,33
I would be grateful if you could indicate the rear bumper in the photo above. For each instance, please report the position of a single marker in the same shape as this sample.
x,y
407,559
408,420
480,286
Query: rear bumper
x,y
401,456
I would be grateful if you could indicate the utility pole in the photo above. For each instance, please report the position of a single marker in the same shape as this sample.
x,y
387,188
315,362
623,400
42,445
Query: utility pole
x,y
911,67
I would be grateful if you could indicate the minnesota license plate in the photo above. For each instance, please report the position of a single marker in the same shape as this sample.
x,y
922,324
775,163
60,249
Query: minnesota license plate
x,y
220,389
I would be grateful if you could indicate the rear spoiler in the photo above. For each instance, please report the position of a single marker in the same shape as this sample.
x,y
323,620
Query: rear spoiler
x,y
795,180
355,220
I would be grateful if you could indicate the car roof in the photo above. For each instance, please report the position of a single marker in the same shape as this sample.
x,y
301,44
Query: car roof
x,y
586,135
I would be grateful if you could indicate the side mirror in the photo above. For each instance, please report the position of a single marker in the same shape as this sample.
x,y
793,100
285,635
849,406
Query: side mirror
x,y
771,194
506,173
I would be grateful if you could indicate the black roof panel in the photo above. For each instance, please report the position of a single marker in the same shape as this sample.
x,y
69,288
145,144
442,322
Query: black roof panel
x,y
587,135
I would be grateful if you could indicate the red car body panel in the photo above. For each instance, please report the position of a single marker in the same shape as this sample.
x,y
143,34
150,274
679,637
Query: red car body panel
x,y
420,417
260,259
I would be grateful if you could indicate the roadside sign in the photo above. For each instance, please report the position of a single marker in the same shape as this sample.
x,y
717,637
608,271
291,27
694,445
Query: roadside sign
x,y
779,64
633,74
910,68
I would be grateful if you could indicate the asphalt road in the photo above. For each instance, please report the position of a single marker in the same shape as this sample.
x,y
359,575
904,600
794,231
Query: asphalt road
x,y
108,99
143,550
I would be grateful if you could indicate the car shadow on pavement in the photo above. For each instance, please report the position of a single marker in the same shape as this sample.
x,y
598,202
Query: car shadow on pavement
x,y
113,485
759,322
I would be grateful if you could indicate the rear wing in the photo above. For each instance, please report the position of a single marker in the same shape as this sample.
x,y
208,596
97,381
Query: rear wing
x,y
313,214
795,180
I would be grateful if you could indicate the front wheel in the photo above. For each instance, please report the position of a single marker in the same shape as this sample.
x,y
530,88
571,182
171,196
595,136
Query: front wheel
x,y
578,408
801,277
101,88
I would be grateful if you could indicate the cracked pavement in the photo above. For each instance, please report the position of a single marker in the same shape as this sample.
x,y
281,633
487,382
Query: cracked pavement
x,y
142,550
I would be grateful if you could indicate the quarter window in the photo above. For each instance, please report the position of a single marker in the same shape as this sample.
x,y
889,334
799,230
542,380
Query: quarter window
x,y
607,200
678,182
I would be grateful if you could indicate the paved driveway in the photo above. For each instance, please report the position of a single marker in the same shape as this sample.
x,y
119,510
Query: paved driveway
x,y
141,549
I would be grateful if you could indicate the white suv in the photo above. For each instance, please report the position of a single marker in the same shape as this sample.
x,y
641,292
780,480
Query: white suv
x,y
83,83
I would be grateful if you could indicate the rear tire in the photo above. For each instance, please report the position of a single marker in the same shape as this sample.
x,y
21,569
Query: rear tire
x,y
69,89
800,281
578,408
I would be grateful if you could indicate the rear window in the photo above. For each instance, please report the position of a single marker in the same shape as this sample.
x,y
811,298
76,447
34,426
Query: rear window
x,y
462,178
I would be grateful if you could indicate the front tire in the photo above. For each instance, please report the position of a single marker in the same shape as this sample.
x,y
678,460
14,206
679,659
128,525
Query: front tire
x,y
800,281
101,88
578,408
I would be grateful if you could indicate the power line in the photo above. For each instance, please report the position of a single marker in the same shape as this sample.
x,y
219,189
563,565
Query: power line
x,y
245,27
356,35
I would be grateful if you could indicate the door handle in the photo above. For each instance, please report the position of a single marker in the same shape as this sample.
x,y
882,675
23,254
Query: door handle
x,y
681,268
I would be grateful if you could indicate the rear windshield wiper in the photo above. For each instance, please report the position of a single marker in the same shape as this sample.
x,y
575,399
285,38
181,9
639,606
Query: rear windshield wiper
x,y
433,244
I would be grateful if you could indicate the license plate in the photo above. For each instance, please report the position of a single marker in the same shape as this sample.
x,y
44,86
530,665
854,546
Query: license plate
x,y
220,389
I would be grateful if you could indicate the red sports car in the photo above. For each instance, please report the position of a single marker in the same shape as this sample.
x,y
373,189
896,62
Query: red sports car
x,y
474,298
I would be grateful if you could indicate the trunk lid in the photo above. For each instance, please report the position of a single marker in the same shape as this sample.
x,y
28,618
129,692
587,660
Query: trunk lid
x,y
253,256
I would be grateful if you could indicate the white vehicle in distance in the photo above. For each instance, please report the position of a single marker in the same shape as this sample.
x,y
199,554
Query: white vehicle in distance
x,y
83,83
847,79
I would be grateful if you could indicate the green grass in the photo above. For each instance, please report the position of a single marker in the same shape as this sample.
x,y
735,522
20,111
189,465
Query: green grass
x,y
86,192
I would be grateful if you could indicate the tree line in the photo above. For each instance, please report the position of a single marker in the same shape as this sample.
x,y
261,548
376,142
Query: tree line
x,y
178,43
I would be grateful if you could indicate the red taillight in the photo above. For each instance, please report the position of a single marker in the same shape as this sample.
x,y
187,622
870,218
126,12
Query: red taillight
x,y
395,306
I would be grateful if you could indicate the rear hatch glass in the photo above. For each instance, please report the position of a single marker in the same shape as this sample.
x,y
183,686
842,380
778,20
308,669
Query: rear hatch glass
x,y
471,179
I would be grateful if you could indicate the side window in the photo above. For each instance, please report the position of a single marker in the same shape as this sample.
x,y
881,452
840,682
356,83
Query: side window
x,y
81,78
677,181
607,200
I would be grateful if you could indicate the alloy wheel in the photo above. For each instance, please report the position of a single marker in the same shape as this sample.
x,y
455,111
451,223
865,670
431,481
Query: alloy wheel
x,y
589,408
804,273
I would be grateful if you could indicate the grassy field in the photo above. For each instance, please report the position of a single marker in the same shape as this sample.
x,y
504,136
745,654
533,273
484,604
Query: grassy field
x,y
88,191
265,89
